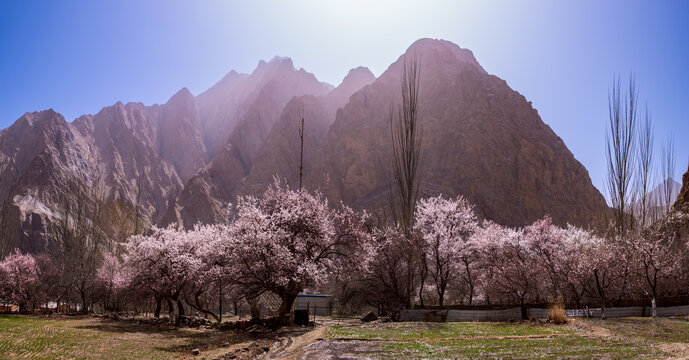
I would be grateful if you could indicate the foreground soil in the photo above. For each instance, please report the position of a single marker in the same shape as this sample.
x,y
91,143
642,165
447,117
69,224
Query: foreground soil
x,y
91,338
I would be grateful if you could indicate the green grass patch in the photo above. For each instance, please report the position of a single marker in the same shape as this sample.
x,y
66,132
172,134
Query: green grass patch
x,y
421,330
488,340
530,348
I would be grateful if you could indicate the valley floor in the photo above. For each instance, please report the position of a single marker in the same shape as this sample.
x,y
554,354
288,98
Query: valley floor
x,y
91,338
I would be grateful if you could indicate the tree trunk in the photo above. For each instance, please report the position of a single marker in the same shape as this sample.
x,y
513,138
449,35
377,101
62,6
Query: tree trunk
x,y
219,302
423,281
522,307
156,314
287,303
601,294
180,308
170,308
410,283
197,305
470,282
84,308
441,291
653,307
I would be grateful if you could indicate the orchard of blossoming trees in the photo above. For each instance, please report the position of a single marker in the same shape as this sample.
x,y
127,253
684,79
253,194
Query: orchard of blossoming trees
x,y
287,242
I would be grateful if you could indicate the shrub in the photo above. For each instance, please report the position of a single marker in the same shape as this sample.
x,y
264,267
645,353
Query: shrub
x,y
556,314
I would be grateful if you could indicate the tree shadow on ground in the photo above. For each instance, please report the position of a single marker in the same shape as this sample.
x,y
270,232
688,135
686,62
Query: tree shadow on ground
x,y
214,339
193,338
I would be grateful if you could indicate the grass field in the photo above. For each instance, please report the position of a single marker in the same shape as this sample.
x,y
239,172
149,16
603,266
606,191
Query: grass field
x,y
584,339
90,338
660,330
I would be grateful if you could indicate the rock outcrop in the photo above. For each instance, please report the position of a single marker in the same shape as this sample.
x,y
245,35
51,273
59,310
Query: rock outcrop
x,y
179,138
682,202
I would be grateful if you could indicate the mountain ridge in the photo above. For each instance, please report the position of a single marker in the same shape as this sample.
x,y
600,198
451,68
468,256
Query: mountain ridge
x,y
183,161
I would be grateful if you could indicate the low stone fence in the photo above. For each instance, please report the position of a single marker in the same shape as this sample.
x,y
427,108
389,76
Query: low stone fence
x,y
611,312
669,311
430,315
460,315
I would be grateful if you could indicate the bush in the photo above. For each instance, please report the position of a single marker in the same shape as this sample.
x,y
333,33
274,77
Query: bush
x,y
556,314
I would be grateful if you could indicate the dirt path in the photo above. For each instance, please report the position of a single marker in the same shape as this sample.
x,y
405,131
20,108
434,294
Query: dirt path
x,y
590,330
293,348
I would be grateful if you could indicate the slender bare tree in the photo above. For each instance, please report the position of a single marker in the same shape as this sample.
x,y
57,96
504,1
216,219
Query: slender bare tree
x,y
645,166
301,150
79,239
6,245
620,146
667,170
407,135
137,202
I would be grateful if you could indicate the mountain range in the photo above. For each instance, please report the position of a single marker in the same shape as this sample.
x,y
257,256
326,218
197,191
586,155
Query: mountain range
x,y
183,161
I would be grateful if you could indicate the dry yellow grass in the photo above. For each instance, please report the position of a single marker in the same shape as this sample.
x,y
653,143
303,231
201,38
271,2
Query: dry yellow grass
x,y
556,314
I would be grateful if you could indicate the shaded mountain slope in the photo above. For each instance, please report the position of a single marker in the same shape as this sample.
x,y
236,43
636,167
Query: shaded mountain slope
x,y
480,139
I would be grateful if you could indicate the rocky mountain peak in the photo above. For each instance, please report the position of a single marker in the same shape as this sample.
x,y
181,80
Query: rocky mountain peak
x,y
277,62
353,82
183,96
358,75
285,60
41,119
427,47
179,134
439,61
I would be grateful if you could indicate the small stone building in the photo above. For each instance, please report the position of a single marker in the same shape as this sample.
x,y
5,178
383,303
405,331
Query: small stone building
x,y
316,304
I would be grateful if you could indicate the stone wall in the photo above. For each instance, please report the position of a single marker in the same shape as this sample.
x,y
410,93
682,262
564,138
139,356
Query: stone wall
x,y
538,313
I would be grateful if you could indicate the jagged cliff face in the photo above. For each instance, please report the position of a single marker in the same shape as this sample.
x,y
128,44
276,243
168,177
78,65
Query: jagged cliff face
x,y
682,202
207,193
240,100
279,155
183,161
136,156
39,153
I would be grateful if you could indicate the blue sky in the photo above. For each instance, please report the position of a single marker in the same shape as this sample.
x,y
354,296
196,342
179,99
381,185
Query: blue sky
x,y
78,56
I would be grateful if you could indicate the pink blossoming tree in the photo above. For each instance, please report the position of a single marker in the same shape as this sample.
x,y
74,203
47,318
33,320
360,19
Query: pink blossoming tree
x,y
447,226
163,264
20,281
288,241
